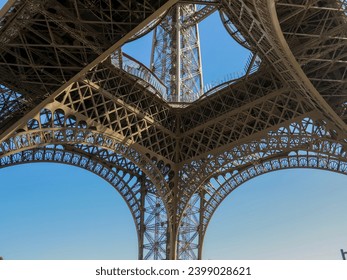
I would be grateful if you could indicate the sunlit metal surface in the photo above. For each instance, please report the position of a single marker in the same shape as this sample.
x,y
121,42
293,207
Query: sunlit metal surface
x,y
68,94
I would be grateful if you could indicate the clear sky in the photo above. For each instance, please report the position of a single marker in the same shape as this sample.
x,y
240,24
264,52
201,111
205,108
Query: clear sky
x,y
52,211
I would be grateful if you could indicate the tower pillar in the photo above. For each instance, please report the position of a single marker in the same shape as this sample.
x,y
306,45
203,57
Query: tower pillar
x,y
176,57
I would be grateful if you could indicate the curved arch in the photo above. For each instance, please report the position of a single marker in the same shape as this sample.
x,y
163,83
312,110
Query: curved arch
x,y
287,208
306,135
118,179
229,181
30,139
207,199
126,179
304,143
57,125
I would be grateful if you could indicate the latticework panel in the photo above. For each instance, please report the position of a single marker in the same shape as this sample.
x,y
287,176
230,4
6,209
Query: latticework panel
x,y
127,120
259,24
44,44
154,228
243,123
316,34
173,164
175,57
56,137
302,144
61,128
12,104
300,134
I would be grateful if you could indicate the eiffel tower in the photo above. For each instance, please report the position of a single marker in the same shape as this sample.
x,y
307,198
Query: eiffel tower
x,y
69,94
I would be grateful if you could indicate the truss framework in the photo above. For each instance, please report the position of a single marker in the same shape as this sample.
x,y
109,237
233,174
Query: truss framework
x,y
176,57
72,98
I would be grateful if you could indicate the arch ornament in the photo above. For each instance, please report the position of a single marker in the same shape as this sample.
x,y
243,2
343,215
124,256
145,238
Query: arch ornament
x,y
57,128
291,113
54,136
134,187
305,143
205,202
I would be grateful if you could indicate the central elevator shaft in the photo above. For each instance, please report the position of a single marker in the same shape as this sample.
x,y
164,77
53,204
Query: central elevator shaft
x,y
175,56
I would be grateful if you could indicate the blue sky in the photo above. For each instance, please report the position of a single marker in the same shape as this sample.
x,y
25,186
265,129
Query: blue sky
x,y
52,211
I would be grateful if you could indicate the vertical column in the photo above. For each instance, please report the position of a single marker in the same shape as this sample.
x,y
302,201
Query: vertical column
x,y
142,227
172,241
177,45
191,80
153,225
176,57
191,229
201,228
163,56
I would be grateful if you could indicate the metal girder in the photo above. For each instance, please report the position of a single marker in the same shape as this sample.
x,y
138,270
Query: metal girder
x,y
128,21
70,97
175,56
320,31
305,143
263,31
59,124
127,121
199,15
301,134
136,190
217,189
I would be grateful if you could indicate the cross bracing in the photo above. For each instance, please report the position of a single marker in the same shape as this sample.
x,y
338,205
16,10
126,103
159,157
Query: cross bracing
x,y
68,94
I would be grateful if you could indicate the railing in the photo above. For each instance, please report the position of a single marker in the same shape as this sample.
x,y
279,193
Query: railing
x,y
135,68
212,90
149,80
252,65
233,31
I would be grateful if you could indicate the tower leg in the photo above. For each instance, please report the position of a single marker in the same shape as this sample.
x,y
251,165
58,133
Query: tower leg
x,y
153,225
201,227
142,227
172,246
176,57
190,236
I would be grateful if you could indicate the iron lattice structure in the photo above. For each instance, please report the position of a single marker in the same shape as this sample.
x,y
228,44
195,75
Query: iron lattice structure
x,y
176,57
69,95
